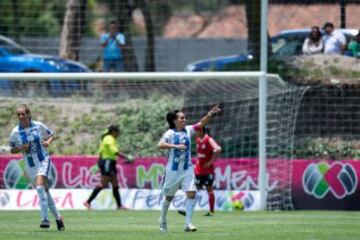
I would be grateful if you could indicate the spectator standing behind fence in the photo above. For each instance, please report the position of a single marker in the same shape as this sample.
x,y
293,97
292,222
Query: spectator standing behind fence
x,y
334,40
314,43
354,46
112,44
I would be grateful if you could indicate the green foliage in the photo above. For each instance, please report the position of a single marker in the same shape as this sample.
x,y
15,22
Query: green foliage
x,y
37,17
274,66
34,18
142,122
191,6
307,74
327,148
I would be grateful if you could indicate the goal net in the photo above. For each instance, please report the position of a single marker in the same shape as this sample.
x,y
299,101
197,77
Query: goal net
x,y
79,107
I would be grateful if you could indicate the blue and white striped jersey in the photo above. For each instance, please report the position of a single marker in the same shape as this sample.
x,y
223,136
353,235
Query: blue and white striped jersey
x,y
179,159
33,135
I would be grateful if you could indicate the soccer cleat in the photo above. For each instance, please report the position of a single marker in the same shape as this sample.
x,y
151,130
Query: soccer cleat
x,y
60,224
209,214
87,205
181,212
45,223
190,228
163,227
122,208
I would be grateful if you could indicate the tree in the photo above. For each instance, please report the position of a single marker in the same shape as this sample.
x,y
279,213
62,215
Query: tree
x,y
16,19
29,18
73,27
122,10
150,36
253,16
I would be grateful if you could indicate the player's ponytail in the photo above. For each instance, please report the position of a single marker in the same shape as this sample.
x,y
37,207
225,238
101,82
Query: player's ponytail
x,y
112,128
171,117
206,131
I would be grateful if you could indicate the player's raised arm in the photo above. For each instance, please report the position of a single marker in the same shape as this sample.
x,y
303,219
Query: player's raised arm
x,y
205,120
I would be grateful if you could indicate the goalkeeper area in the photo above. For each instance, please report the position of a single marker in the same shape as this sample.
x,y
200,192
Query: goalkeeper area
x,y
129,225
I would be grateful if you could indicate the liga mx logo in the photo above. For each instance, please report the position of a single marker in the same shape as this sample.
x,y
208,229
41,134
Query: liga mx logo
x,y
338,178
15,178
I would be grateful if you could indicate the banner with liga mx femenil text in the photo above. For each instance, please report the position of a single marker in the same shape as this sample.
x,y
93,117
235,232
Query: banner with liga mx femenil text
x,y
315,184
82,172
134,199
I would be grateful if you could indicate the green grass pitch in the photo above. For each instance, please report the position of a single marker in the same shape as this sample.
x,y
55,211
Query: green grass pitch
x,y
137,225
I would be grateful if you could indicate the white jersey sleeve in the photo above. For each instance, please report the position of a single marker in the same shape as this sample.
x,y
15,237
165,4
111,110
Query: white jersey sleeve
x,y
167,136
14,140
341,38
44,131
191,129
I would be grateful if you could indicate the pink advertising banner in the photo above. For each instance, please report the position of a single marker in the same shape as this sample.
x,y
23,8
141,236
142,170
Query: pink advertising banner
x,y
82,172
314,184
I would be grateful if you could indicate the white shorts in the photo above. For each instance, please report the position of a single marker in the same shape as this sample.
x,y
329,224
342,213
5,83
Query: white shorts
x,y
40,169
175,180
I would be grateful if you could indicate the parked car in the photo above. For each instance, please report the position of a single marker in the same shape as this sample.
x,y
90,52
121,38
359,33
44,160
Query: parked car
x,y
16,59
285,43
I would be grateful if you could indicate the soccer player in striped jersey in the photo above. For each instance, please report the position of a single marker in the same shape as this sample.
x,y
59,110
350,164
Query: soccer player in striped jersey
x,y
32,138
179,172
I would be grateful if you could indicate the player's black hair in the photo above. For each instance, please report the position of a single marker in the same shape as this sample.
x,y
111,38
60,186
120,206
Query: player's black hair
x,y
206,131
112,128
328,24
171,117
112,22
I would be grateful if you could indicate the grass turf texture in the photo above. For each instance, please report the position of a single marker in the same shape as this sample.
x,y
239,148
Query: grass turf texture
x,y
224,225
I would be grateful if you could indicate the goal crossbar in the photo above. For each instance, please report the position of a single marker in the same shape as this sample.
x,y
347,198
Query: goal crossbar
x,y
130,76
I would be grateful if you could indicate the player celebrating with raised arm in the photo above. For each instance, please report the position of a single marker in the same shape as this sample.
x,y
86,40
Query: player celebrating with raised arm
x,y
32,138
179,172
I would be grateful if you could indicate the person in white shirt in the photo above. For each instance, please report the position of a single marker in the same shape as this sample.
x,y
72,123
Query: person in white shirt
x,y
334,40
314,43
179,172
32,138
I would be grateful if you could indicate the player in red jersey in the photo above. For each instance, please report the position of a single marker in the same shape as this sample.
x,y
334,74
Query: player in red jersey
x,y
208,150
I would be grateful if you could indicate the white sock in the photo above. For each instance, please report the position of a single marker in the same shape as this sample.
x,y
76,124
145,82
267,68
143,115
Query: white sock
x,y
43,201
52,206
164,209
189,208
